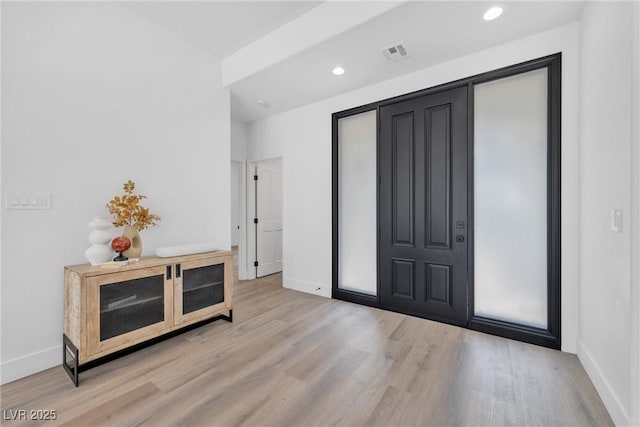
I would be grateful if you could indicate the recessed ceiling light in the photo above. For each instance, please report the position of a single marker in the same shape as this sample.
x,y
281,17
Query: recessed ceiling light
x,y
492,13
262,103
338,71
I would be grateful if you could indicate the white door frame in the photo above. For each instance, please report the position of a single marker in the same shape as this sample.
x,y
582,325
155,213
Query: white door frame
x,y
236,167
242,242
249,268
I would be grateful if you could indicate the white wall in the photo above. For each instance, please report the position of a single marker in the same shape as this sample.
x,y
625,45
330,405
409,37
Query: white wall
x,y
239,137
303,138
95,95
606,346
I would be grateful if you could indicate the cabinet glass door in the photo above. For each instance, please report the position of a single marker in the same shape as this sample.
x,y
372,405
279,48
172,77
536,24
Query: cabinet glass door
x,y
127,307
202,288
130,305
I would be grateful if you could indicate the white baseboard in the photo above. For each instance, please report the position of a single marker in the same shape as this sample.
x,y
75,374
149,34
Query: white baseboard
x,y
244,274
23,366
308,287
607,393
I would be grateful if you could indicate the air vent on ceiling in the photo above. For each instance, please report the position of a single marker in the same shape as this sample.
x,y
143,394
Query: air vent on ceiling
x,y
395,52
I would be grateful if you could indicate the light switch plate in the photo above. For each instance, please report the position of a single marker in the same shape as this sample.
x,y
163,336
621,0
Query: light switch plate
x,y
28,200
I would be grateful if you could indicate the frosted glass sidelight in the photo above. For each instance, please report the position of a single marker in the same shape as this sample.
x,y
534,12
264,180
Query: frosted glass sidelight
x,y
357,203
510,199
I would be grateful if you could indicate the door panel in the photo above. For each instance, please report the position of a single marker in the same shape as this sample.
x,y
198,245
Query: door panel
x,y
403,179
269,214
423,192
402,281
438,176
438,283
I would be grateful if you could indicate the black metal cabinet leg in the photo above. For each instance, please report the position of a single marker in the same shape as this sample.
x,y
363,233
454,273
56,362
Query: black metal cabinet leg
x,y
72,369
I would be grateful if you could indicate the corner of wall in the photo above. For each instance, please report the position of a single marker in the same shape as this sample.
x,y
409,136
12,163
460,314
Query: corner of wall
x,y
635,215
1,188
607,393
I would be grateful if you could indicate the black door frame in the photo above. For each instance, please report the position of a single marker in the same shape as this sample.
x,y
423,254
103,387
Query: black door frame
x,y
551,337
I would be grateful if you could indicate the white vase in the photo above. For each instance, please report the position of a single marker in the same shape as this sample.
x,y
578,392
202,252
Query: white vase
x,y
100,237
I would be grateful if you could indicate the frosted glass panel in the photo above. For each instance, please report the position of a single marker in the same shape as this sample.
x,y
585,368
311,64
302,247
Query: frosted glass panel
x,y
510,199
357,203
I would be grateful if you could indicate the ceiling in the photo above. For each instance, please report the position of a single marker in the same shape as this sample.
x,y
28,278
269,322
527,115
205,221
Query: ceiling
x,y
433,32
220,27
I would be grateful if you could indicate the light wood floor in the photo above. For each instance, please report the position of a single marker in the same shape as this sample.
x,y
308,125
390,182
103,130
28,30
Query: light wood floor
x,y
293,359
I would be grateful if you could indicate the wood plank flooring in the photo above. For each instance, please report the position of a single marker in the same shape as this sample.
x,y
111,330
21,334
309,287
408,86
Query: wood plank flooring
x,y
294,359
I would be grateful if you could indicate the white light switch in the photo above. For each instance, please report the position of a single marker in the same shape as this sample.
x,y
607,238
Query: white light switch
x,y
28,200
616,220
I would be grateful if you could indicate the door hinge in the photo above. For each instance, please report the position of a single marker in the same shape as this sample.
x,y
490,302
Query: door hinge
x,y
255,220
255,263
255,177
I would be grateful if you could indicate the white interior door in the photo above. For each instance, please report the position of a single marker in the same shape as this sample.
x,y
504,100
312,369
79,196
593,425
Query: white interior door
x,y
269,216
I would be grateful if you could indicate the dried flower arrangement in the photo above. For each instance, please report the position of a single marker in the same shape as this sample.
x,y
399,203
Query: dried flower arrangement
x,y
126,209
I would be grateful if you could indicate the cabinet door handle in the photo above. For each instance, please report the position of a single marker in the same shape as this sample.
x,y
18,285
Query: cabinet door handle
x,y
178,271
168,272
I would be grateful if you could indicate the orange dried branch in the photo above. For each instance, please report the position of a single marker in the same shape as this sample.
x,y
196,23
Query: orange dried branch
x,y
126,209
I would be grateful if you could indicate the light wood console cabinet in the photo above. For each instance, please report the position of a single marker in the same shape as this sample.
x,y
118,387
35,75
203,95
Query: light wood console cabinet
x,y
108,310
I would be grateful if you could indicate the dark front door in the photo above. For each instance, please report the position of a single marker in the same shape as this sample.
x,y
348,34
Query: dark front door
x,y
423,206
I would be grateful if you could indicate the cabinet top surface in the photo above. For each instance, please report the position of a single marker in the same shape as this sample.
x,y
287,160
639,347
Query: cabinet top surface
x,y
87,270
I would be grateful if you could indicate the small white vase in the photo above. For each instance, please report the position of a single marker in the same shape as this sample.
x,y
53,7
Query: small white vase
x,y
100,237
